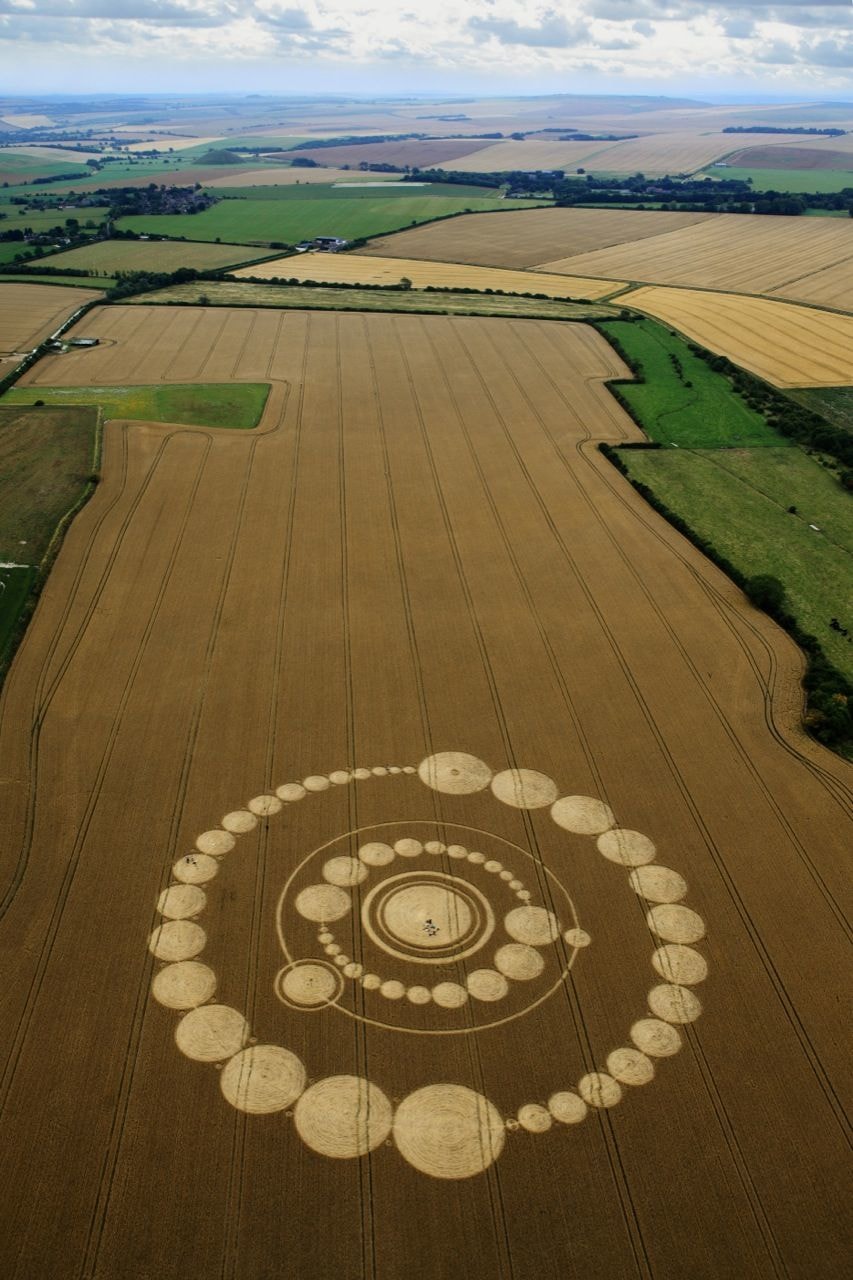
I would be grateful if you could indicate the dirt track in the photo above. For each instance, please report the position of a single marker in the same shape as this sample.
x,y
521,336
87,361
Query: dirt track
x,y
419,552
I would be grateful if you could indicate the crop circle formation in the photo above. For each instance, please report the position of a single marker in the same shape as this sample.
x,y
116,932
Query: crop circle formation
x,y
385,890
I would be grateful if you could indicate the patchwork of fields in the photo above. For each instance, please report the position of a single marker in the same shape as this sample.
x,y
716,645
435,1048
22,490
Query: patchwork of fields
x,y
278,175
806,259
654,154
263,221
397,760
521,239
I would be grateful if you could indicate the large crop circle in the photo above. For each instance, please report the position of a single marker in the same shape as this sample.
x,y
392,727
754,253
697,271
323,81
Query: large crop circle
x,y
453,902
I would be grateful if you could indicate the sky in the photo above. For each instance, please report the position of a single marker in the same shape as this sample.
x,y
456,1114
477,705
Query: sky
x,y
717,50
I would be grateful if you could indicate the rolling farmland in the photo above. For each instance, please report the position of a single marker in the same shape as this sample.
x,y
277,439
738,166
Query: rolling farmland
x,y
788,345
401,814
532,153
352,269
29,313
652,154
278,175
806,259
417,153
524,238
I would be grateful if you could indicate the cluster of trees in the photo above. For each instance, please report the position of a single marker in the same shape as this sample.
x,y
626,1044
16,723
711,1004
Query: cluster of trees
x,y
129,283
688,194
773,128
128,201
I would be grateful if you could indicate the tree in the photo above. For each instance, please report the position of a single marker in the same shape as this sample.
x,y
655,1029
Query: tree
x,y
766,592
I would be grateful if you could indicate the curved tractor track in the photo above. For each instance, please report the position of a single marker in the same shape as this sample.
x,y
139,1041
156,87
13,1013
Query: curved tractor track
x,y
414,616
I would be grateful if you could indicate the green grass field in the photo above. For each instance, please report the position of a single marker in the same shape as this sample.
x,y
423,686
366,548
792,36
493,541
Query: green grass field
x,y
788,180
72,282
109,256
237,405
685,404
738,500
242,293
386,190
43,219
46,459
291,220
17,167
12,249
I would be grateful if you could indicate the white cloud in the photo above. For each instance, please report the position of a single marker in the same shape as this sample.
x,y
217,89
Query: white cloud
x,y
552,31
650,43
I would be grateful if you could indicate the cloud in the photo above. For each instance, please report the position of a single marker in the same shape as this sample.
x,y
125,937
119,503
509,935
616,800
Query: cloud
x,y
627,45
191,13
553,32
778,54
285,19
738,28
832,53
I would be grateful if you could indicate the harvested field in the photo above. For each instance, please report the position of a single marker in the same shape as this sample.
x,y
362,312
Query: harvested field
x,y
243,293
421,154
523,238
419,561
533,153
652,154
283,176
350,269
808,259
788,345
108,256
28,120
842,143
29,313
776,157
662,153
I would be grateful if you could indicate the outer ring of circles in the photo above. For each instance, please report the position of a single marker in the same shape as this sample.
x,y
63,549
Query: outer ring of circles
x,y
671,1003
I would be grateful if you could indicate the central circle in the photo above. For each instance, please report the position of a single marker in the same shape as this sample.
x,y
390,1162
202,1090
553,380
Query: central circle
x,y
427,917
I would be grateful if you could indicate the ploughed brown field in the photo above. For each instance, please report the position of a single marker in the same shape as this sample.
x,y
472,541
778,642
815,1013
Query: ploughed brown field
x,y
411,865
410,151
775,157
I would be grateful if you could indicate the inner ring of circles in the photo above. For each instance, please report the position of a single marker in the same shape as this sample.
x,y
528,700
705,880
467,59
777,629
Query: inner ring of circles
x,y
559,901
391,915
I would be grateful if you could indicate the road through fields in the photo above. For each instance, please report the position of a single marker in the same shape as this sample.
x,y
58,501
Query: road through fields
x,y
328,687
